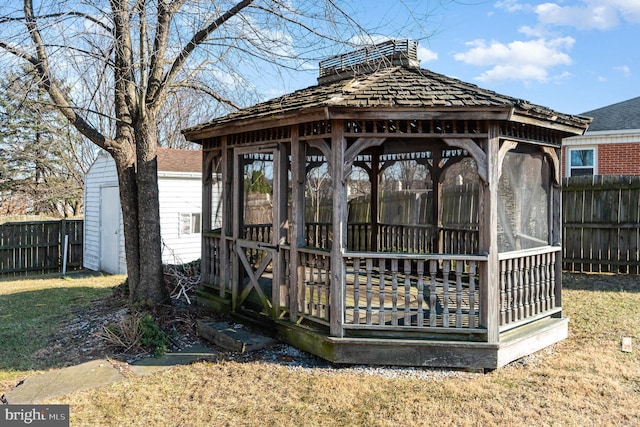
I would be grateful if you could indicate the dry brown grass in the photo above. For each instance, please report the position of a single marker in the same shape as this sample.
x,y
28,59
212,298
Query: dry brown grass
x,y
583,381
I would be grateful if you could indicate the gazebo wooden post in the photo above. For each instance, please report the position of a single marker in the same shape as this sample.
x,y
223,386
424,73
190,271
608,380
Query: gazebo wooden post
x,y
374,178
488,242
280,194
298,177
436,174
339,228
556,226
236,222
207,178
225,227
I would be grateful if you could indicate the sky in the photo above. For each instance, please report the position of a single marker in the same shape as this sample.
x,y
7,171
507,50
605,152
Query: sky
x,y
569,55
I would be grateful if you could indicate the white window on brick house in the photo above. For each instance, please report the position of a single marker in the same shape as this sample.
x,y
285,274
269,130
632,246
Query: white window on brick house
x,y
189,223
582,161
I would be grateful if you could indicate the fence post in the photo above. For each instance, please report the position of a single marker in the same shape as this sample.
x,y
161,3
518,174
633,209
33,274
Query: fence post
x,y
62,251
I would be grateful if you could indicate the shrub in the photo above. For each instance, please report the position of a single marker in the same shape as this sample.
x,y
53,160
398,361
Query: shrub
x,y
137,332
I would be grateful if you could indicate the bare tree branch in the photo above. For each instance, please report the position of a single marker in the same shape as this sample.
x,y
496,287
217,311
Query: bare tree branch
x,y
195,41
212,93
42,67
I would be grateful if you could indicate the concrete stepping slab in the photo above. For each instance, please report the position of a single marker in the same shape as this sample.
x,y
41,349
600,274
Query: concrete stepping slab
x,y
58,382
233,337
185,356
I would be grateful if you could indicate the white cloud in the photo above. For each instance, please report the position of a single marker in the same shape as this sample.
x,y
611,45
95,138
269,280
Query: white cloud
x,y
579,14
426,55
519,60
624,69
588,16
509,5
628,9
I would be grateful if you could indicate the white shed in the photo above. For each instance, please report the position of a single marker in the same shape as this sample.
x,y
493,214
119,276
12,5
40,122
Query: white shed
x,y
180,195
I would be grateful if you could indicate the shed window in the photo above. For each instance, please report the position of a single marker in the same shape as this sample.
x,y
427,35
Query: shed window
x,y
582,161
189,223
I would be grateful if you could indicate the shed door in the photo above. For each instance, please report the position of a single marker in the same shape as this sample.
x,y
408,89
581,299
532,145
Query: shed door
x,y
109,230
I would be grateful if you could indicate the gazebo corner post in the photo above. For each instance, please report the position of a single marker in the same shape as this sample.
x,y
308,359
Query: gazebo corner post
x,y
225,260
488,239
280,184
207,184
556,230
233,169
337,286
298,177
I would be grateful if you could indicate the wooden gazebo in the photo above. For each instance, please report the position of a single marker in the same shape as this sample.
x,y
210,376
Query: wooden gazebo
x,y
388,215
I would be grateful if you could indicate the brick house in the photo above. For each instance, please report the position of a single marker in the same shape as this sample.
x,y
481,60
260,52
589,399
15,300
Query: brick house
x,y
611,145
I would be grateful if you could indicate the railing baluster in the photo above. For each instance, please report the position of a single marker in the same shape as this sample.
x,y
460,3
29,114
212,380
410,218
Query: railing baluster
x,y
407,292
528,280
446,268
519,277
503,292
552,280
369,267
535,308
394,292
356,290
472,294
381,316
312,276
319,281
433,298
327,287
459,269
420,313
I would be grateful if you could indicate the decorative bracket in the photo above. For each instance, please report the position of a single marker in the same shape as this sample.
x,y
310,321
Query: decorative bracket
x,y
356,148
476,152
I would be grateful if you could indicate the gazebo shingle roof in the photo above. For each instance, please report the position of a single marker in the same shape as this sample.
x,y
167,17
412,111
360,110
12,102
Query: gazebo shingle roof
x,y
392,87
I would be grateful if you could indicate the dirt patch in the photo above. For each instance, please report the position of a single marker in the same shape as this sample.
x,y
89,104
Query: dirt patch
x,y
81,338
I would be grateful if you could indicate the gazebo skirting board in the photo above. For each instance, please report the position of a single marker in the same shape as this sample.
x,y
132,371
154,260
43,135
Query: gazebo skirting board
x,y
398,308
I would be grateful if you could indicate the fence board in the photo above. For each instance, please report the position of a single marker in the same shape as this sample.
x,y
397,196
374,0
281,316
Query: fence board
x,y
37,247
601,230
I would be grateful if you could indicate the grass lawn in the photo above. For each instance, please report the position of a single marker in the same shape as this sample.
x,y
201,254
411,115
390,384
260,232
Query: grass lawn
x,y
584,381
32,308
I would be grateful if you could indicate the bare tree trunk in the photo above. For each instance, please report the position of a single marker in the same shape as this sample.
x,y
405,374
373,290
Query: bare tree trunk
x,y
150,286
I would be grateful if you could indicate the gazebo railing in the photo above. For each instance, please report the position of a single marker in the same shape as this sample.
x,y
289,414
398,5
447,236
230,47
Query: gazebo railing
x,y
397,238
406,238
527,285
212,255
437,292
314,283
429,293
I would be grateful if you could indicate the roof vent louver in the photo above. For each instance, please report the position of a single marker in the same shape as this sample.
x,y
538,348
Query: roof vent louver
x,y
390,53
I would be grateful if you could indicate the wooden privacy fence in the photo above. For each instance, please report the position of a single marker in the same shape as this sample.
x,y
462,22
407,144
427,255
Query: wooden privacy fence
x,y
601,230
38,247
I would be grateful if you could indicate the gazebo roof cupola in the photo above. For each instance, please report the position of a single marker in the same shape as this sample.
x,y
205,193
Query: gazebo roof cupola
x,y
368,59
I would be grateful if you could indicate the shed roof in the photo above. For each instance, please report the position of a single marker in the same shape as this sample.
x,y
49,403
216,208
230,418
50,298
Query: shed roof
x,y
174,160
619,116
394,87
